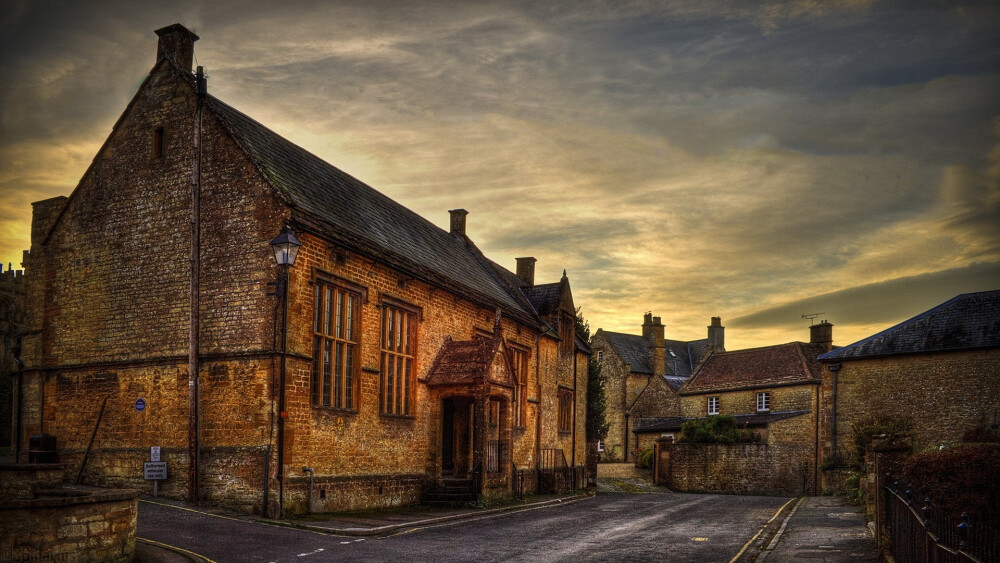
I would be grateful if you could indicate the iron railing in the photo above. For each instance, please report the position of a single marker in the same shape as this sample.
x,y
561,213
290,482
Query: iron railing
x,y
921,532
494,455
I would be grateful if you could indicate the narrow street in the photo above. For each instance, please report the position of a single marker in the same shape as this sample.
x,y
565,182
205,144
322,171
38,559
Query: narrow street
x,y
608,527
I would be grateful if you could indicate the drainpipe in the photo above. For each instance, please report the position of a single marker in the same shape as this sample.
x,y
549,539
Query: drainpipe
x,y
835,368
312,474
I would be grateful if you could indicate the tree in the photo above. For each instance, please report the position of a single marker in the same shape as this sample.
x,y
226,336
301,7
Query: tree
x,y
597,426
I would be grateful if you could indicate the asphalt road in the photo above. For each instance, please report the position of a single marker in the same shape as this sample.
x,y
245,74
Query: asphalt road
x,y
607,527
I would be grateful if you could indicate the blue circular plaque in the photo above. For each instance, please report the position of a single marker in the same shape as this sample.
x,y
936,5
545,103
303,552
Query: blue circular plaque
x,y
140,404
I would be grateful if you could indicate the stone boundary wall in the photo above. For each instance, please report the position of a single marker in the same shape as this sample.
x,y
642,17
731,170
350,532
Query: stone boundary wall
x,y
96,526
759,469
340,494
621,471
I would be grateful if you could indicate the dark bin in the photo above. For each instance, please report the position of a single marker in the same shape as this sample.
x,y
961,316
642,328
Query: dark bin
x,y
42,449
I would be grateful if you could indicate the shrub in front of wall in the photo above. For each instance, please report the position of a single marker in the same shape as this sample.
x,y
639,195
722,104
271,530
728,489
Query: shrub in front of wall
x,y
716,429
965,478
645,458
864,430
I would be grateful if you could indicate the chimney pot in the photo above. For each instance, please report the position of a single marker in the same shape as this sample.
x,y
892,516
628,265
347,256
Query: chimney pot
x,y
177,44
458,221
526,270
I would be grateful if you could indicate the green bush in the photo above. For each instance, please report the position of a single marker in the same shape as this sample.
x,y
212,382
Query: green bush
x,y
717,429
864,430
965,478
852,489
645,458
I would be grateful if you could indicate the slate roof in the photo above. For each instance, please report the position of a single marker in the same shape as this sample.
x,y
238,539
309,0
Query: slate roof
x,y
785,364
674,423
358,216
545,298
966,322
678,366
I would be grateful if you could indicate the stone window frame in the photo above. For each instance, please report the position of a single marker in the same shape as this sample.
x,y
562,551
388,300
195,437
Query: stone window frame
x,y
565,412
763,401
396,395
333,387
713,405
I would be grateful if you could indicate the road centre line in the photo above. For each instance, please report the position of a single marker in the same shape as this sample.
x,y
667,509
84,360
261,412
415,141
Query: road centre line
x,y
764,527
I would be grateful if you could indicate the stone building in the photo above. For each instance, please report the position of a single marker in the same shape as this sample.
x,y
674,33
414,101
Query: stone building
x,y
391,354
12,286
936,374
774,390
642,376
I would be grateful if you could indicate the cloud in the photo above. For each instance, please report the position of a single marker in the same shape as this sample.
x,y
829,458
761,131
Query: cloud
x,y
882,303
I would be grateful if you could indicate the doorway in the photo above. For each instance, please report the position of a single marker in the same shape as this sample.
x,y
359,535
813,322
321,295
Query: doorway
x,y
456,436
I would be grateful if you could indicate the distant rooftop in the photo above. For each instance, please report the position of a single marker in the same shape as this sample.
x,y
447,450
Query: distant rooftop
x,y
966,322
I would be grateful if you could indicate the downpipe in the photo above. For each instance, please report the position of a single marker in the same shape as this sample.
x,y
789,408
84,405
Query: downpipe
x,y
312,474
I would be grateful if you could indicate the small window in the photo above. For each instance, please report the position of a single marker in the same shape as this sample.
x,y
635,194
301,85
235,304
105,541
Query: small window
x,y
600,355
158,142
763,401
713,405
600,445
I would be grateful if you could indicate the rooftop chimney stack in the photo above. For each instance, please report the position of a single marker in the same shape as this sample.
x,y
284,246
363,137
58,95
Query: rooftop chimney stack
x,y
458,221
177,44
822,333
526,270
653,333
717,335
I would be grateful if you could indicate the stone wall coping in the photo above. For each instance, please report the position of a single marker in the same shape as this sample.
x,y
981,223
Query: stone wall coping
x,y
32,466
72,494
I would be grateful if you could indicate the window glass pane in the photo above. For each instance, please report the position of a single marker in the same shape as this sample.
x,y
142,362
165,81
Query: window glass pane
x,y
350,318
338,380
340,311
326,373
318,307
315,371
349,377
327,311
406,386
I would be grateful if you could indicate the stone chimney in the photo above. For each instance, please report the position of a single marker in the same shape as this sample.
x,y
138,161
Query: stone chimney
x,y
717,335
652,332
822,333
177,44
43,215
458,221
526,270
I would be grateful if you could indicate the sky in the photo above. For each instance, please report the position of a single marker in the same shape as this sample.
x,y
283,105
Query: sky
x,y
756,161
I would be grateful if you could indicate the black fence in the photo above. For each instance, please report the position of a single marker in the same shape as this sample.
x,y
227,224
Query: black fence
x,y
921,532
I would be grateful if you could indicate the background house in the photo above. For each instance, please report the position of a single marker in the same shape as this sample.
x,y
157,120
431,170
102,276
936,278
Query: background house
x,y
156,318
773,390
936,374
642,375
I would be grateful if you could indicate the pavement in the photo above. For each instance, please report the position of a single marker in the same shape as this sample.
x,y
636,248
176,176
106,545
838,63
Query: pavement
x,y
827,529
